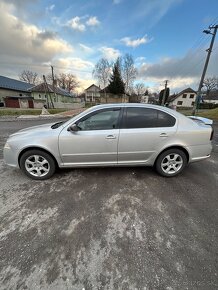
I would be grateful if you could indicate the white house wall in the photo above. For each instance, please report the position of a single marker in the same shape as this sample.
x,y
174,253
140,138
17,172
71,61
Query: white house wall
x,y
186,102
211,101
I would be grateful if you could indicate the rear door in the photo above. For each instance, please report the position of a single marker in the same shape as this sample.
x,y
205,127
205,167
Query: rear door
x,y
143,131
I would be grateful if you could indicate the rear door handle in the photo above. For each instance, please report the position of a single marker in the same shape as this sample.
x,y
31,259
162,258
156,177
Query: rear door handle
x,y
163,135
111,137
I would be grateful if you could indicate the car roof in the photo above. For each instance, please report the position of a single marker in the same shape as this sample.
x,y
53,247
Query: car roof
x,y
142,105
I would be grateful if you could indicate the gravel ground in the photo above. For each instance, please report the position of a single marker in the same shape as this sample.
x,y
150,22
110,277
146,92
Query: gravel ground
x,y
109,228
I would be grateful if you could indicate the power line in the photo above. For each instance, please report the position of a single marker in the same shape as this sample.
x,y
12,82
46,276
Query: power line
x,y
44,66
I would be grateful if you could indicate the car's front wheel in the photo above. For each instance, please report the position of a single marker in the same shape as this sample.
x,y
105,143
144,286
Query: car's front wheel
x,y
171,162
37,164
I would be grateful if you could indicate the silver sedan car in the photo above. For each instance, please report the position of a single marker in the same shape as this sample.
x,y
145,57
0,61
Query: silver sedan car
x,y
111,135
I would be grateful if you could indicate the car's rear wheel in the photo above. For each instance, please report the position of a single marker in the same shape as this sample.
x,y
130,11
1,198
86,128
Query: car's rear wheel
x,y
37,164
171,162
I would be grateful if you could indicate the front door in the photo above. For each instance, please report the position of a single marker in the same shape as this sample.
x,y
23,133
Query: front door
x,y
95,143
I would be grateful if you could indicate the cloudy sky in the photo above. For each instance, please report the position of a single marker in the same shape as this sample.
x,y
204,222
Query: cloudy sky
x,y
164,37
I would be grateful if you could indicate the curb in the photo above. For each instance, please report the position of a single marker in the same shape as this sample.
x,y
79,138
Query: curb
x,y
31,118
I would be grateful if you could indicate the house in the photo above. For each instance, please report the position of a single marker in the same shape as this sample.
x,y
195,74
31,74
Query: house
x,y
53,96
92,94
14,93
211,97
185,98
144,99
95,95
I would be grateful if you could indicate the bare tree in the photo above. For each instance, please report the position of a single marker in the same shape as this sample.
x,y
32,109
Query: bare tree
x,y
210,84
67,81
139,89
49,78
29,77
129,71
102,72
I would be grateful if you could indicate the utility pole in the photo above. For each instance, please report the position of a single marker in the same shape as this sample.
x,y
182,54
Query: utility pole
x,y
47,93
209,50
164,94
52,73
53,84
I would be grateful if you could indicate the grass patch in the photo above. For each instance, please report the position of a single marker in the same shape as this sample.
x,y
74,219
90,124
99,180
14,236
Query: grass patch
x,y
19,112
210,114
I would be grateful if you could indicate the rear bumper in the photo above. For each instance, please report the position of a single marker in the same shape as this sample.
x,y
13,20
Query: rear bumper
x,y
199,152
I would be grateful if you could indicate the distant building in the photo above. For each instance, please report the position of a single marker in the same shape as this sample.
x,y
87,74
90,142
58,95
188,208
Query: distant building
x,y
50,94
212,97
95,95
13,91
185,98
17,94
92,94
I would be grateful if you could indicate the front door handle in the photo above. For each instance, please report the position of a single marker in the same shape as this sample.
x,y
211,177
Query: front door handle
x,y
111,137
163,135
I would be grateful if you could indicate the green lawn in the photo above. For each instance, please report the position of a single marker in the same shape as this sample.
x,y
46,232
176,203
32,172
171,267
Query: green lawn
x,y
211,114
18,112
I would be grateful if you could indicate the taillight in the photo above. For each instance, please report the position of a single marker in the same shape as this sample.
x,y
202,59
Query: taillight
x,y
211,136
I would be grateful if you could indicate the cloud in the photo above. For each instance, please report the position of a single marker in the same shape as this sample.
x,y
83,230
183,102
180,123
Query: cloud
x,y
50,8
22,40
76,24
135,42
86,48
181,72
93,21
74,63
151,10
110,53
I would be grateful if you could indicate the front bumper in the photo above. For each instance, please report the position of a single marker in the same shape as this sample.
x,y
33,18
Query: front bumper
x,y
10,156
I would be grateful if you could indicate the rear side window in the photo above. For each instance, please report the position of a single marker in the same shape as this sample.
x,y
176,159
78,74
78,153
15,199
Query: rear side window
x,y
147,118
140,118
165,120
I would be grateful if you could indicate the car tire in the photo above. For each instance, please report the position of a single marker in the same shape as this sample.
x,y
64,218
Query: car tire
x,y
37,164
171,162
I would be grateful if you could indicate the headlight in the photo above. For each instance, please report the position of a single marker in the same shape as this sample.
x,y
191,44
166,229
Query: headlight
x,y
7,146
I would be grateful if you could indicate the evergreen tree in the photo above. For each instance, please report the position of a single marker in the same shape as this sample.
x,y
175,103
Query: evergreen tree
x,y
116,85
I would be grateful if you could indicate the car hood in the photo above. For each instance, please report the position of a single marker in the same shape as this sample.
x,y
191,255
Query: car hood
x,y
34,129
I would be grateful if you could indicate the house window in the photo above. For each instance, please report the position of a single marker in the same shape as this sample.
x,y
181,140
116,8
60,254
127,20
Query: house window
x,y
20,95
193,103
179,103
192,96
40,96
184,96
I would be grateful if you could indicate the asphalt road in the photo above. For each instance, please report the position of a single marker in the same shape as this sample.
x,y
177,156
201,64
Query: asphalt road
x,y
109,228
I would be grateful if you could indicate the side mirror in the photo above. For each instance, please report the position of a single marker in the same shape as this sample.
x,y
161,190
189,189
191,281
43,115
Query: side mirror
x,y
73,128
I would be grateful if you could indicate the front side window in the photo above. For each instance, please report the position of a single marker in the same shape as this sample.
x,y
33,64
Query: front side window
x,y
104,120
147,118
